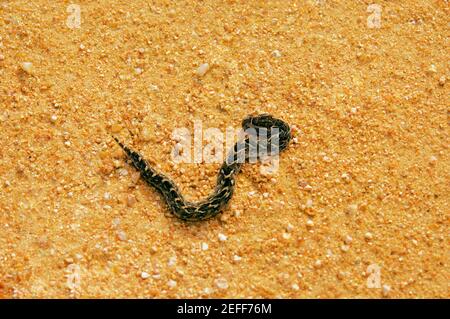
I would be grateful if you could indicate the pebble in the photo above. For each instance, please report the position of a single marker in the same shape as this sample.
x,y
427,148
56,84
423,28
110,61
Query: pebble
x,y
131,200
432,69
107,196
348,239
351,209
309,223
205,246
53,118
286,235
345,248
145,275
27,67
172,261
442,80
276,53
2,57
326,159
221,283
295,287
386,290
368,236
237,258
433,160
318,263
202,69
138,71
309,203
121,235
222,237
289,227
172,283
346,177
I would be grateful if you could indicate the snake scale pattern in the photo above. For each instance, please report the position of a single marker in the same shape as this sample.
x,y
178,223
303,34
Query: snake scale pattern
x,y
263,132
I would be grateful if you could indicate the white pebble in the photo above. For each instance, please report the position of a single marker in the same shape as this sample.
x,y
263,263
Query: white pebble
x,y
289,227
433,160
53,118
309,203
276,54
172,283
138,71
318,263
345,248
205,246
221,283
202,69
368,236
222,237
172,261
309,223
145,275
27,67
107,196
237,258
67,143
286,235
295,287
326,159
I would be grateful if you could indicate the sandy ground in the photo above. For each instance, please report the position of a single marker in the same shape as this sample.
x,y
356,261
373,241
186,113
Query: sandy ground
x,y
361,194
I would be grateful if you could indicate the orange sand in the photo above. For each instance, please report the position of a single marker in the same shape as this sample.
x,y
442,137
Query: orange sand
x,y
365,183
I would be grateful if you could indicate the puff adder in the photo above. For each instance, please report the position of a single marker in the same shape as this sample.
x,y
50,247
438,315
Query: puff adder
x,y
265,136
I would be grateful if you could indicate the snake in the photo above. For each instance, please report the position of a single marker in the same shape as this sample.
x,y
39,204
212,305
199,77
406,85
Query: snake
x,y
265,136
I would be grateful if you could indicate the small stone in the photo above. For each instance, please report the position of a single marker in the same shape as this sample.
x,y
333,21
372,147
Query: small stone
x,y
53,118
326,159
309,223
131,200
345,248
82,47
27,67
289,227
432,69
237,258
107,196
368,236
116,222
353,110
145,275
221,283
202,69
205,246
295,287
309,203
433,160
386,290
318,263
351,209
442,80
67,143
348,239
222,237
286,235
138,71
172,283
172,261
2,57
276,54
121,235
346,177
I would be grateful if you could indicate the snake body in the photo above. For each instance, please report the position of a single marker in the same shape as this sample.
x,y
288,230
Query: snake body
x,y
272,136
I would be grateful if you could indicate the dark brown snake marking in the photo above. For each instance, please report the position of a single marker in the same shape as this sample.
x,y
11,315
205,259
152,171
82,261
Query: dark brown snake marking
x,y
261,127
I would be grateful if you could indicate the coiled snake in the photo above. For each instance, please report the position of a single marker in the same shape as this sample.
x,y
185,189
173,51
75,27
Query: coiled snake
x,y
265,136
